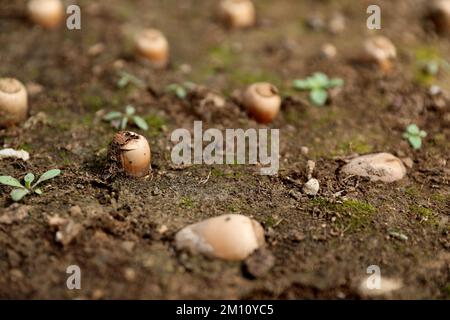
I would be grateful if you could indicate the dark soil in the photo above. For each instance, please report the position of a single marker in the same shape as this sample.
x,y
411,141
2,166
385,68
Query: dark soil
x,y
321,245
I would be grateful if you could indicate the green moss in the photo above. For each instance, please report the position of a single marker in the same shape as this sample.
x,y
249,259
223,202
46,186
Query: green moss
x,y
424,214
351,214
93,102
155,123
412,191
186,202
357,145
439,197
243,77
222,55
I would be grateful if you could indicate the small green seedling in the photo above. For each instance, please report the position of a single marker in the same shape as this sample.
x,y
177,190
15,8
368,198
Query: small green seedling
x,y
318,84
22,190
120,120
414,136
126,79
180,91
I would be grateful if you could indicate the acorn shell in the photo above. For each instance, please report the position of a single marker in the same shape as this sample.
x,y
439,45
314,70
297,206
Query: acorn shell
x,y
262,101
13,102
229,237
152,45
46,13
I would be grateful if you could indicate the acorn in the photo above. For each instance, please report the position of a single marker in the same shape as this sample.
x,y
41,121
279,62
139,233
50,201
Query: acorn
x,y
262,101
130,152
439,13
46,13
152,45
381,50
13,102
228,237
237,13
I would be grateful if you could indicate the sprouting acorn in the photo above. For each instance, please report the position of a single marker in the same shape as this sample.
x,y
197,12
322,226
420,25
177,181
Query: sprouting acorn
x,y
228,237
262,101
46,13
13,102
130,152
152,45
237,13
381,50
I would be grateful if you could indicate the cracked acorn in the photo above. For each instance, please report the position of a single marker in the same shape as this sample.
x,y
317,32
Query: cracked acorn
x,y
237,13
13,102
46,13
229,237
152,45
130,153
262,101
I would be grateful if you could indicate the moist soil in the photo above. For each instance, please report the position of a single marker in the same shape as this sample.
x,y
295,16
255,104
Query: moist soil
x,y
120,230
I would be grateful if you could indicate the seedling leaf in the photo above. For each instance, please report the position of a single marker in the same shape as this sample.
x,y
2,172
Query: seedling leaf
x,y
415,141
140,123
18,194
29,178
112,115
10,181
130,110
318,97
123,123
47,176
413,129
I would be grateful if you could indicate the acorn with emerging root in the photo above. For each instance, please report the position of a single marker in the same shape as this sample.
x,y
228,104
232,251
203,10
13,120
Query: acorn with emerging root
x,y
237,13
380,50
228,237
152,45
439,14
13,102
130,152
262,101
46,13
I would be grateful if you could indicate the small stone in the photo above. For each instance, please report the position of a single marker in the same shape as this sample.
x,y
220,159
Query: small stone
x,y
229,237
128,246
68,233
14,213
129,274
163,229
259,263
328,51
336,24
310,166
383,167
34,88
304,150
311,188
96,49
75,211
408,162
